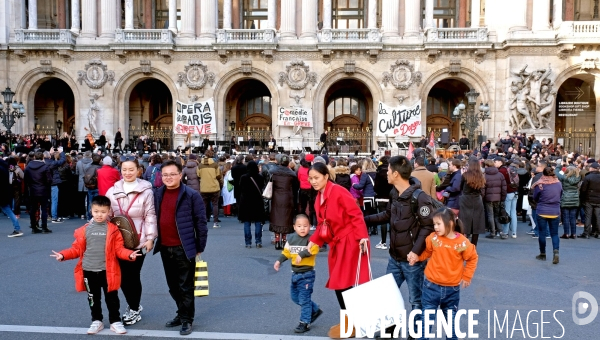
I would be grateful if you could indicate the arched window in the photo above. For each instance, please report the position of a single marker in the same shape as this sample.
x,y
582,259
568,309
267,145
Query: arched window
x,y
348,14
346,106
440,102
250,106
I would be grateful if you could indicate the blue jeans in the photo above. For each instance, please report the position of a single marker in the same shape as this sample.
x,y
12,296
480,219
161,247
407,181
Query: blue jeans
x,y
569,220
545,224
536,218
301,290
257,233
511,208
445,297
8,211
54,202
91,194
413,275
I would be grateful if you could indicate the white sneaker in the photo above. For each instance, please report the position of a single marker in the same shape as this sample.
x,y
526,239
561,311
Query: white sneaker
x,y
216,225
313,228
96,327
118,327
381,246
131,317
514,236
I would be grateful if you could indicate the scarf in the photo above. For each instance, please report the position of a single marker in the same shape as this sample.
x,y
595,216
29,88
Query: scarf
x,y
545,180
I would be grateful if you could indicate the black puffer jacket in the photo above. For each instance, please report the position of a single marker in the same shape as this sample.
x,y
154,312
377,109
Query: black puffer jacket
x,y
38,179
495,186
342,176
53,165
407,233
6,193
283,202
590,188
382,187
536,177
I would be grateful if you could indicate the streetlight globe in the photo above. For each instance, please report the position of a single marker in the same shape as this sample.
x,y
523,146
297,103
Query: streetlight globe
x,y
486,108
461,106
15,105
1,107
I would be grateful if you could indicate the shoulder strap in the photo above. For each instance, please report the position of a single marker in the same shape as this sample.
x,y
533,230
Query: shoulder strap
x,y
130,204
372,183
256,185
414,200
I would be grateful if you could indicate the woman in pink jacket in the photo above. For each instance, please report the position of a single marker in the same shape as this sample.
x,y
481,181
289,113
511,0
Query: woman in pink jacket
x,y
134,197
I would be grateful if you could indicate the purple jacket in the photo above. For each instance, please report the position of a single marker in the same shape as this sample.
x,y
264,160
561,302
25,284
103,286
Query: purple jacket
x,y
548,199
355,192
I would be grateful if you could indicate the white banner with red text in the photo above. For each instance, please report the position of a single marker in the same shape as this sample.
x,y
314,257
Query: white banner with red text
x,y
197,118
294,116
404,121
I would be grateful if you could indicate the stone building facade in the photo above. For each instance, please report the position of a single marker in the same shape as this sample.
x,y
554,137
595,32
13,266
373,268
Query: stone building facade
x,y
108,64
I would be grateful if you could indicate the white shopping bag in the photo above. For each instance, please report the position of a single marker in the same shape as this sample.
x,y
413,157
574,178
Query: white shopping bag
x,y
374,305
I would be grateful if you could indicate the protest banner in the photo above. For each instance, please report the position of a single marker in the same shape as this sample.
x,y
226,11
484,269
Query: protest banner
x,y
198,118
294,116
402,121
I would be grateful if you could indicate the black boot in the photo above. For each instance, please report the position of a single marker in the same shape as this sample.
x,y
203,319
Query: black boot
x,y
555,259
35,229
45,230
541,257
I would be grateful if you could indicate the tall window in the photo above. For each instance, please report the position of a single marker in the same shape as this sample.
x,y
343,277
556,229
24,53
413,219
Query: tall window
x,y
346,106
348,14
255,105
440,102
444,13
161,15
255,14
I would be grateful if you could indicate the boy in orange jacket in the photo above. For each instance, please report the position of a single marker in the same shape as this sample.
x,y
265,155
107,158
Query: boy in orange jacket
x,y
98,244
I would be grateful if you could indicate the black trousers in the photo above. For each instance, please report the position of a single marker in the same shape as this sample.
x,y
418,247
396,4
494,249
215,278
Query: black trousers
x,y
95,282
211,198
35,202
307,198
340,297
131,284
179,271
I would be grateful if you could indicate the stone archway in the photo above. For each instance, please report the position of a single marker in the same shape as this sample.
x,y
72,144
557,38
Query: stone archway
x,y
54,105
439,105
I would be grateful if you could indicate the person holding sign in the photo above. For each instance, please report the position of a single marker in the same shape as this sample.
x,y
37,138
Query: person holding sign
x,y
272,143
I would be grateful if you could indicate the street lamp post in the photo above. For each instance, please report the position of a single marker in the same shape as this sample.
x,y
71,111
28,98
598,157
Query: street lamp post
x,y
469,119
10,112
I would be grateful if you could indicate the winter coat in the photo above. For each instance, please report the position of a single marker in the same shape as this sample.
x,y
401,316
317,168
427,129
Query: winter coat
x,y
347,228
264,170
570,186
38,179
495,186
382,187
504,171
535,178
107,177
80,171
6,192
53,166
367,179
406,232
236,173
548,199
190,175
283,202
342,176
427,180
590,188
451,185
148,173
114,250
472,211
190,218
354,179
142,212
303,178
251,207
210,176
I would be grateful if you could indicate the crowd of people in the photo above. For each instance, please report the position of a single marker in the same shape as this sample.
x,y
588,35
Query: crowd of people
x,y
345,201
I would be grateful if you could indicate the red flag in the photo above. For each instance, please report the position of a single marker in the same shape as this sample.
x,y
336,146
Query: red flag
x,y
411,148
432,140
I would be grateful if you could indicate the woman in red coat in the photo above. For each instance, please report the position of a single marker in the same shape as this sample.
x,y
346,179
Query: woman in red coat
x,y
335,206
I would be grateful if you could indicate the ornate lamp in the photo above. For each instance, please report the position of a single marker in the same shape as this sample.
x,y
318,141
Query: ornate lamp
x,y
232,125
10,111
59,125
146,125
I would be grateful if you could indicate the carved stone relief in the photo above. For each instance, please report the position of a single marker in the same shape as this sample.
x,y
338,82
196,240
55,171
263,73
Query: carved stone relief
x,y
590,64
146,67
297,75
349,67
402,75
532,100
195,76
95,74
454,68
246,67
46,66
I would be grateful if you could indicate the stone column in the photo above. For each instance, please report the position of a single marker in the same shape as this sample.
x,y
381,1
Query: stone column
x,y
208,21
188,18
428,14
272,14
128,14
557,13
309,21
518,14
327,11
288,20
173,15
75,16
475,12
109,19
33,15
227,9
541,15
372,22
389,20
89,22
412,18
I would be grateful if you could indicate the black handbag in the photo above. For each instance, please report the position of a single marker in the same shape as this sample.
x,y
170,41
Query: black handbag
x,y
503,216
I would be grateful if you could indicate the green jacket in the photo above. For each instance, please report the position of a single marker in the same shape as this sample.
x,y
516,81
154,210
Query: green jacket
x,y
210,176
570,195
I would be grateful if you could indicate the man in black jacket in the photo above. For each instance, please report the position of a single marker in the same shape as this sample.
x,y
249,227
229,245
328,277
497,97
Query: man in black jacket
x,y
118,139
590,196
323,139
408,229
37,181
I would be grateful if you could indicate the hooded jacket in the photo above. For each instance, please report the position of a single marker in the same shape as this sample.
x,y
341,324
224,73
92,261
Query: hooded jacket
x,y
367,179
107,177
283,202
38,178
190,175
53,166
142,212
342,176
495,186
570,194
408,230
80,171
590,188
210,176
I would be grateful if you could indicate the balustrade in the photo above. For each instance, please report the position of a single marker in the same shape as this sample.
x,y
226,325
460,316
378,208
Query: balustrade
x,y
44,36
246,36
453,35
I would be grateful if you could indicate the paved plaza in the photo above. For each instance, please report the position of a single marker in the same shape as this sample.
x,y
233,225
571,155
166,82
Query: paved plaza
x,y
249,300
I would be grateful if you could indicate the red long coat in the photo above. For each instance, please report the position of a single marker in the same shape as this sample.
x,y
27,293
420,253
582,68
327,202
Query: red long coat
x,y
114,249
347,223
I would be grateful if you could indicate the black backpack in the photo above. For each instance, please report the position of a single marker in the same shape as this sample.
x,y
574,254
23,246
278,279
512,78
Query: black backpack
x,y
414,202
90,177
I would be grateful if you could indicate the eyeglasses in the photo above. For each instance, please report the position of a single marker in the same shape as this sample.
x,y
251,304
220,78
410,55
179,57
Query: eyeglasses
x,y
170,175
127,158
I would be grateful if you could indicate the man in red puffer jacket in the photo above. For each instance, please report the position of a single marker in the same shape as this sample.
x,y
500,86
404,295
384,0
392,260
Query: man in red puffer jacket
x,y
107,176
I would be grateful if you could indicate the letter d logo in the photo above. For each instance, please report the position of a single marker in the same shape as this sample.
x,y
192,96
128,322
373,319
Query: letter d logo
x,y
582,307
